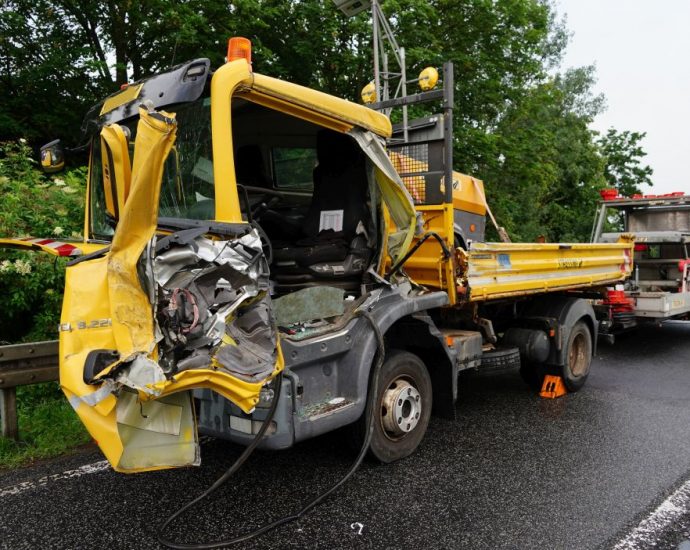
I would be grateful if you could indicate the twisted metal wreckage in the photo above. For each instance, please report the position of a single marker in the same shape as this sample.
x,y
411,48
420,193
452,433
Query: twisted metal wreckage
x,y
181,307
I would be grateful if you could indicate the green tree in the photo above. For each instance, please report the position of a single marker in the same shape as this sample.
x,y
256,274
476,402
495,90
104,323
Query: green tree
x,y
547,177
79,51
623,154
46,74
525,133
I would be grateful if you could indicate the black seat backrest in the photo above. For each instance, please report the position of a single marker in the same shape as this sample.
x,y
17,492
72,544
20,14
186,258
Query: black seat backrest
x,y
340,183
249,167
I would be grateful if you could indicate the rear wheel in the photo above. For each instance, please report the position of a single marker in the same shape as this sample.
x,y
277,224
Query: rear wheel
x,y
577,362
578,359
402,408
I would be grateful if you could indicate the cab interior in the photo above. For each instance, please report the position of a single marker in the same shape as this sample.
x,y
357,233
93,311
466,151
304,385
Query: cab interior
x,y
309,190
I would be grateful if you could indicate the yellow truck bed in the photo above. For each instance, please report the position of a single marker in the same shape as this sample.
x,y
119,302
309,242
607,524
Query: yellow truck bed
x,y
501,270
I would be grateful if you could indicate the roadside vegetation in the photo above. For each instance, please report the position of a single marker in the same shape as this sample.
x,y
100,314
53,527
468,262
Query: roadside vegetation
x,y
31,289
522,124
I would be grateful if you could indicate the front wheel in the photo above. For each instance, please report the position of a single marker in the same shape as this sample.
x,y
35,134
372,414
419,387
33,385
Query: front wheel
x,y
402,407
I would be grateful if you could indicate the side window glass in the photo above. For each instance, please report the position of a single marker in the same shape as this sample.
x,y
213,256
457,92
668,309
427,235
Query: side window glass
x,y
293,168
101,227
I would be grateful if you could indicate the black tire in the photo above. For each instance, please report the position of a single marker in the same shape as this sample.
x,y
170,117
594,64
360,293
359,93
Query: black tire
x,y
578,360
404,375
578,357
500,360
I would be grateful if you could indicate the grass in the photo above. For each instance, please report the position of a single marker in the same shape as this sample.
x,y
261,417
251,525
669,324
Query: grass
x,y
48,426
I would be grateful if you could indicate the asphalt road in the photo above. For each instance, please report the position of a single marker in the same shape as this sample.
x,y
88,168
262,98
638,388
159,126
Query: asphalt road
x,y
607,467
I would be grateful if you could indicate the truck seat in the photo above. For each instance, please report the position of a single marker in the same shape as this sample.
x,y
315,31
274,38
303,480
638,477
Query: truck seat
x,y
250,168
333,243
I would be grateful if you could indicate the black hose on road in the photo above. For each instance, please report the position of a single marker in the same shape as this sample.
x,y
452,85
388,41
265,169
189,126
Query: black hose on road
x,y
373,390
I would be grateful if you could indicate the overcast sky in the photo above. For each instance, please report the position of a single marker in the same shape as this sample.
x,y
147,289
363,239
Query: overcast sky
x,y
641,50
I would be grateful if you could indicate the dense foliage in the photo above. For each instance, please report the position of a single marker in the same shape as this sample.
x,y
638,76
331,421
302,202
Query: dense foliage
x,y
31,286
33,204
519,125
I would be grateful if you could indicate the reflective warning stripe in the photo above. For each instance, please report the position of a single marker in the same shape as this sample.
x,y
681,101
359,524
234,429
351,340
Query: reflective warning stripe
x,y
60,247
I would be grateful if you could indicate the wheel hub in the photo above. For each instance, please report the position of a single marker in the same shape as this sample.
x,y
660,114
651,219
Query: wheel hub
x,y
578,356
401,408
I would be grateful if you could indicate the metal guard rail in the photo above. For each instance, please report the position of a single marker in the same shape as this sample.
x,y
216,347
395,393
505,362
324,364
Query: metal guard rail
x,y
22,365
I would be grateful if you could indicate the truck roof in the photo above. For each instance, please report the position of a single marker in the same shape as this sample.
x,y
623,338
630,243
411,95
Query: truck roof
x,y
673,199
331,106
186,82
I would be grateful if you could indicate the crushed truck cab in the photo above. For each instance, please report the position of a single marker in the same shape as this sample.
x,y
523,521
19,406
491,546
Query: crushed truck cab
x,y
176,303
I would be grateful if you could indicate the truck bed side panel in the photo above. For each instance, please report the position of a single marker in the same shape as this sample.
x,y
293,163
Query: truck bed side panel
x,y
500,270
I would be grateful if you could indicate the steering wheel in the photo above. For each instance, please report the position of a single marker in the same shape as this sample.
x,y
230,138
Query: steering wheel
x,y
265,242
259,209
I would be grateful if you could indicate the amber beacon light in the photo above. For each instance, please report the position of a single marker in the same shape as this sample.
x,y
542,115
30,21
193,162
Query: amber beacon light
x,y
239,48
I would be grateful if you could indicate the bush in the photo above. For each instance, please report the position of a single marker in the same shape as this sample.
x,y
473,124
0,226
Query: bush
x,y
48,426
31,284
34,204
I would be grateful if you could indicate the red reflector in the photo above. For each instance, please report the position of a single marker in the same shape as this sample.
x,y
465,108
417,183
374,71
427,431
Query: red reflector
x,y
640,247
608,194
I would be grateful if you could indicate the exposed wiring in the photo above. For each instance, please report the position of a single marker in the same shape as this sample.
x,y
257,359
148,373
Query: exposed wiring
x,y
369,412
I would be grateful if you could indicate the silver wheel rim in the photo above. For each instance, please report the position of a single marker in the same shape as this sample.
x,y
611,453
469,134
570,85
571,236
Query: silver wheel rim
x,y
401,408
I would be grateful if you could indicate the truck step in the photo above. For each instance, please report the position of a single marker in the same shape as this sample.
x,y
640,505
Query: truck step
x,y
326,408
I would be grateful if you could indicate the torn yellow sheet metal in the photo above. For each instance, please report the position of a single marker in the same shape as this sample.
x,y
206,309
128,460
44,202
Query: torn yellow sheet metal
x,y
499,270
142,418
131,309
130,93
87,300
52,246
116,168
395,195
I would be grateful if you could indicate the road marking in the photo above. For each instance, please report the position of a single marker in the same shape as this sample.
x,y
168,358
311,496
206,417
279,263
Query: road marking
x,y
45,480
649,529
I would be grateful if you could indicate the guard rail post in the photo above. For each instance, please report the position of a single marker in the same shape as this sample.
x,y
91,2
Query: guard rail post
x,y
8,413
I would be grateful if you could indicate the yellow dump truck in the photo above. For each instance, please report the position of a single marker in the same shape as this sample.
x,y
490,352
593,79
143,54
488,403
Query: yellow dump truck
x,y
257,252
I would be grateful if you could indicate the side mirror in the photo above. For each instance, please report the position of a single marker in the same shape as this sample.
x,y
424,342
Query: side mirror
x,y
52,157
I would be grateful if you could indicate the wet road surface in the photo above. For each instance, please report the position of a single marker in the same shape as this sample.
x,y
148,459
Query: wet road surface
x,y
596,469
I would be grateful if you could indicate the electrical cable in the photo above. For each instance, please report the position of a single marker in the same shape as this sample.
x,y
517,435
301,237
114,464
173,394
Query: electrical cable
x,y
257,439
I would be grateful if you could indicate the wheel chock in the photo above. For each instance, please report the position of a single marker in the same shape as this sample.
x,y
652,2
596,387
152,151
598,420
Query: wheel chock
x,y
552,387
